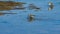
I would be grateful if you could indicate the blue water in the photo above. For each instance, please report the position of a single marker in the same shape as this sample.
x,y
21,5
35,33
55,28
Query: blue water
x,y
46,22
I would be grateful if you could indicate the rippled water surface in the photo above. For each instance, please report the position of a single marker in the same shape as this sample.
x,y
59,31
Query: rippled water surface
x,y
46,22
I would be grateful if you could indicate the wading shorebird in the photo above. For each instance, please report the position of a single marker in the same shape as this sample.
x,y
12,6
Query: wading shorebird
x,y
33,7
31,17
51,6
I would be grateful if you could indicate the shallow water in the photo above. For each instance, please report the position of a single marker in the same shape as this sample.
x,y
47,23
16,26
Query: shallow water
x,y
46,22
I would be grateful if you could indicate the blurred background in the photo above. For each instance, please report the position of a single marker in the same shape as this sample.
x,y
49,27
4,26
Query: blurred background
x,y
46,22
